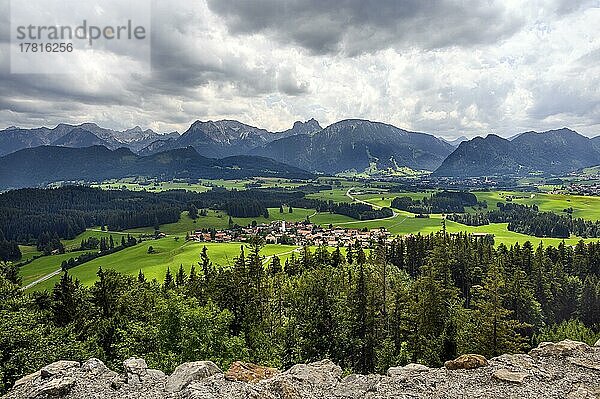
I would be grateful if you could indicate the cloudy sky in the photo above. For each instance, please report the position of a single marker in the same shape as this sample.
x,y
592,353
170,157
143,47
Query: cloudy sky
x,y
447,67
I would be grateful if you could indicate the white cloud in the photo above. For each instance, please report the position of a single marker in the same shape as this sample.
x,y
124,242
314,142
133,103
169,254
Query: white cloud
x,y
512,66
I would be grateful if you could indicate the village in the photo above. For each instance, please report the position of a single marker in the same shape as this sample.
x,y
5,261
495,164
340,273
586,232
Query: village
x,y
296,233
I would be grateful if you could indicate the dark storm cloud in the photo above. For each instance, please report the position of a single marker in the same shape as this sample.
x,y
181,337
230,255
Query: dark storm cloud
x,y
362,26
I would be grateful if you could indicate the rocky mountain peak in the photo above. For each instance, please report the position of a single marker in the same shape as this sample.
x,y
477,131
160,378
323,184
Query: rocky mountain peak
x,y
566,369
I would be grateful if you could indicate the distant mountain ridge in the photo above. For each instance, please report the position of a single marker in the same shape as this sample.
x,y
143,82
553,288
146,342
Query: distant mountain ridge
x,y
357,144
47,164
229,137
551,152
78,136
348,146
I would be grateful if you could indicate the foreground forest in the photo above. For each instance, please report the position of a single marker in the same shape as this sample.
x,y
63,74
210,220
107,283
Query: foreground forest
x,y
420,299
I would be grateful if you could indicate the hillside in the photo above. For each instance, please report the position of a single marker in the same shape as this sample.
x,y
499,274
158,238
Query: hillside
x,y
46,164
552,152
357,144
567,369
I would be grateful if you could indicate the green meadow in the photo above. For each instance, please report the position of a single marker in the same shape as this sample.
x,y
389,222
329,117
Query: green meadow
x,y
585,207
168,253
45,265
220,220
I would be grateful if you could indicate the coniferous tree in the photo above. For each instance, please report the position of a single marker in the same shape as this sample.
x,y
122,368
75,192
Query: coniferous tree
x,y
168,283
180,277
496,331
64,303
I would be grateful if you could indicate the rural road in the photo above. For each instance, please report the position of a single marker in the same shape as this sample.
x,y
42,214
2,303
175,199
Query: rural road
x,y
42,279
353,198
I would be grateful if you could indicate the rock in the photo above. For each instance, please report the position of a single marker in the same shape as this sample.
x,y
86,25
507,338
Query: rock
x,y
510,376
58,368
403,370
185,373
597,343
519,360
57,387
581,393
324,372
284,389
117,382
26,379
135,370
94,366
586,363
466,362
249,372
562,348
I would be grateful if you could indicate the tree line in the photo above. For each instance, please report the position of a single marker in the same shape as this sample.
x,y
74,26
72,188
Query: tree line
x,y
439,202
529,220
419,299
48,215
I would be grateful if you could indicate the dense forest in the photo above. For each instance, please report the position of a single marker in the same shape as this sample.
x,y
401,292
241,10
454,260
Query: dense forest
x,y
9,250
34,215
439,202
418,299
529,220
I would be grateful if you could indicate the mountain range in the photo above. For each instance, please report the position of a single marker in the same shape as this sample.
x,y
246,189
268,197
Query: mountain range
x,y
84,135
46,164
552,152
352,145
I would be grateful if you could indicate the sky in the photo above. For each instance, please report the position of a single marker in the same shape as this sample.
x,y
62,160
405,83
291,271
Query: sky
x,y
445,67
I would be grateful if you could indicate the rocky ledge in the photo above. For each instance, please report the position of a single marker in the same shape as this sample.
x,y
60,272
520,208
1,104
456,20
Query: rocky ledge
x,y
566,369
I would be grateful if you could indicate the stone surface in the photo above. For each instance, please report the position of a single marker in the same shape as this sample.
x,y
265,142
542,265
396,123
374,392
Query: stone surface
x,y
597,343
466,362
57,368
94,366
249,372
27,379
135,370
510,376
404,370
562,348
57,387
185,373
551,371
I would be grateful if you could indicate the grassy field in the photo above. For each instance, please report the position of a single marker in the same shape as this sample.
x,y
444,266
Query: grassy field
x,y
583,206
28,251
44,265
220,220
168,254
201,186
93,232
406,223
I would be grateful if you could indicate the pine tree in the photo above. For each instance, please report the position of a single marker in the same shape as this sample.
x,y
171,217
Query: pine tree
x,y
64,300
496,329
337,258
169,283
280,208
180,277
141,278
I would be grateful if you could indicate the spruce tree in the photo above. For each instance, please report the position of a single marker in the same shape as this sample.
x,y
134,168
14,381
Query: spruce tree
x,y
168,283
180,277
